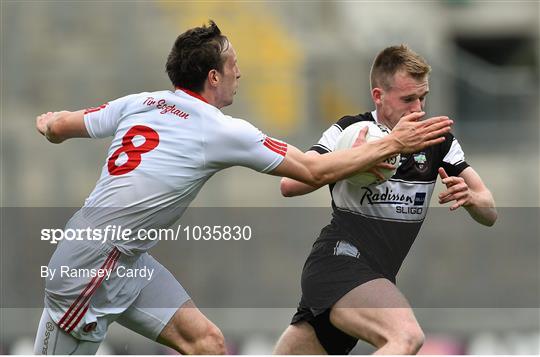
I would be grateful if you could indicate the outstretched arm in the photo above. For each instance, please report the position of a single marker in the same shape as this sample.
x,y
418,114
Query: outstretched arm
x,y
59,126
409,135
468,190
290,187
319,170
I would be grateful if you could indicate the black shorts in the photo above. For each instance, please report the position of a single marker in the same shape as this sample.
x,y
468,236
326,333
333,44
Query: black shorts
x,y
333,268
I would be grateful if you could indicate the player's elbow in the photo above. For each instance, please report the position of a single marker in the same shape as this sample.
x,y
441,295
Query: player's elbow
x,y
284,188
287,188
486,216
489,212
492,218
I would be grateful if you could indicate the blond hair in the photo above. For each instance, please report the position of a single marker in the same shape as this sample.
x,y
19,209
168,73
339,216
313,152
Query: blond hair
x,y
397,58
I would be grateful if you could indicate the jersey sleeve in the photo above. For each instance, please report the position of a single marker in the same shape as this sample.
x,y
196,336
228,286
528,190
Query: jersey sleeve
x,y
328,140
102,121
238,143
454,160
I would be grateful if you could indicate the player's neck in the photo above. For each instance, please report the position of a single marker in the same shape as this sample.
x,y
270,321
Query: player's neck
x,y
379,118
387,123
210,98
205,97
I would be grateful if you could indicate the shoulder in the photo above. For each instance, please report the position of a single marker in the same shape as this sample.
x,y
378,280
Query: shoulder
x,y
445,146
131,100
138,96
448,151
228,121
233,128
348,120
330,136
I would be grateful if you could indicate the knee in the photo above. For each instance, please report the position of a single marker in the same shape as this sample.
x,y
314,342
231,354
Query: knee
x,y
409,340
207,341
214,343
211,342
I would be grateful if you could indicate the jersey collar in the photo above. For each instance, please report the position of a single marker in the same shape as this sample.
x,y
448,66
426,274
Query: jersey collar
x,y
374,115
193,94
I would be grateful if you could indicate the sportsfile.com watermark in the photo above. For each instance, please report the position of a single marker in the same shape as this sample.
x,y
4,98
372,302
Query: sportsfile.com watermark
x,y
119,234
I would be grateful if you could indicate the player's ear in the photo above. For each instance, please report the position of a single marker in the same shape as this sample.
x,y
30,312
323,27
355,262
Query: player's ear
x,y
213,77
376,95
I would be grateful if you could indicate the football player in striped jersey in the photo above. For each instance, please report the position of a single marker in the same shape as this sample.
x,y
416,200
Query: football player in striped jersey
x,y
348,280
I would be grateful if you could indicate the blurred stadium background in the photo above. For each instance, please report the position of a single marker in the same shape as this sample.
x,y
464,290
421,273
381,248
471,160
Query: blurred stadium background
x,y
304,65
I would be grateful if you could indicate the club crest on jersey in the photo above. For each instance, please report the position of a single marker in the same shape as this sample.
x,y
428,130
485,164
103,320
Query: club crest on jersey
x,y
420,161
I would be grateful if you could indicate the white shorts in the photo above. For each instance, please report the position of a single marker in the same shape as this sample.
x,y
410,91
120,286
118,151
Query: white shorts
x,y
83,302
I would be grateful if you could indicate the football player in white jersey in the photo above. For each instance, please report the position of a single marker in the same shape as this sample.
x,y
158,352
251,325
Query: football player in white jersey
x,y
165,146
348,281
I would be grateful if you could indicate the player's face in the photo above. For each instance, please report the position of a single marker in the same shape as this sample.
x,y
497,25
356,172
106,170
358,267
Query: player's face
x,y
230,77
406,95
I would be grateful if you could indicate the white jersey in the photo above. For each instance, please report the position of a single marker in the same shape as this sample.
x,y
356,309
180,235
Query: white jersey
x,y
166,146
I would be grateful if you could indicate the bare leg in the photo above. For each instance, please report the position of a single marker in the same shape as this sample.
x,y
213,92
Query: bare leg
x,y
378,313
190,332
299,339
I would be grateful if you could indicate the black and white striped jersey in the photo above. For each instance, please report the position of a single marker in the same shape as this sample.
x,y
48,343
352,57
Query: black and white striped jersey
x,y
383,220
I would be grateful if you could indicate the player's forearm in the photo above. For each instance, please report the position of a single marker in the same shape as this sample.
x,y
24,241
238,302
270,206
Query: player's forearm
x,y
338,165
290,187
318,170
59,126
482,208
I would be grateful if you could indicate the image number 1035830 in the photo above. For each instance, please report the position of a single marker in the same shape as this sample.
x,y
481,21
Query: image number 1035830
x,y
225,233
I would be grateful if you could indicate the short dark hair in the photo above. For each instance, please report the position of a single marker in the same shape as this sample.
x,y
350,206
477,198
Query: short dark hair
x,y
196,52
396,58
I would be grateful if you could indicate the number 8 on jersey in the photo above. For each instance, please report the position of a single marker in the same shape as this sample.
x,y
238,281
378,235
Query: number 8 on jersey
x,y
133,152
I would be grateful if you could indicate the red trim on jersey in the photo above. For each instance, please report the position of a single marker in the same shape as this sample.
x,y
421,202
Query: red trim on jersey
x,y
193,94
79,307
277,143
276,146
95,109
78,319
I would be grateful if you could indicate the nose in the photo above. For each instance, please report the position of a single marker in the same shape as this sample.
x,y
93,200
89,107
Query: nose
x,y
417,106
